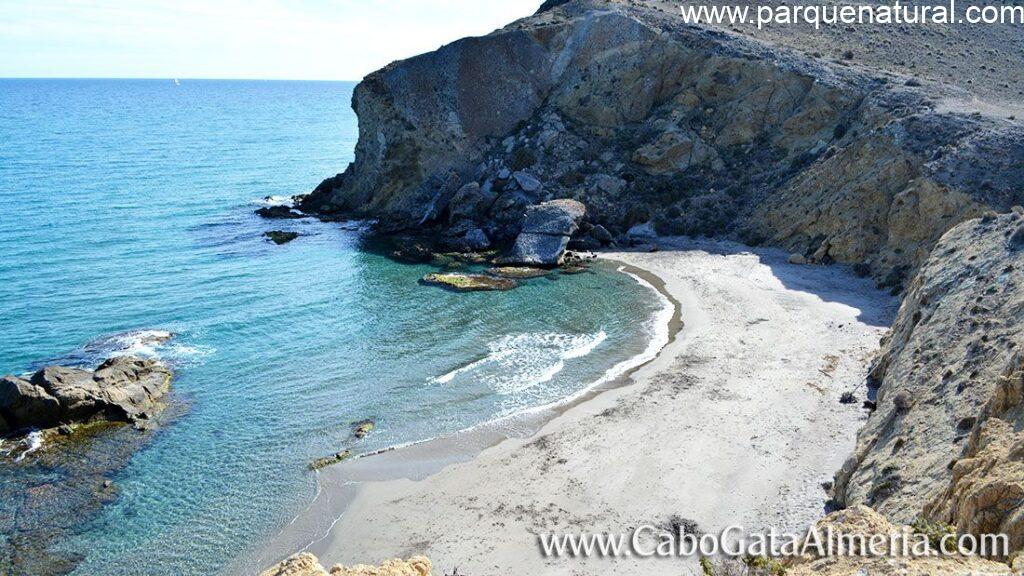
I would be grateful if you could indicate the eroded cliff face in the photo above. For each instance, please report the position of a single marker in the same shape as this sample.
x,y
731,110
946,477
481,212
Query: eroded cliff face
x,y
644,119
946,440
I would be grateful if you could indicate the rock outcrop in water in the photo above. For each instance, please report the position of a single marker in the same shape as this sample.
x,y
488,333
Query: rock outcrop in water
x,y
122,389
307,565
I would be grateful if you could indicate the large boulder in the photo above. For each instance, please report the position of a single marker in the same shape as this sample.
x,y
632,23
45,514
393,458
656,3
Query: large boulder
x,y
124,389
545,235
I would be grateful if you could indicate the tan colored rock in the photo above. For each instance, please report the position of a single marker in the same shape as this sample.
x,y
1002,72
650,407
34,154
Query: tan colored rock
x,y
304,564
415,566
942,441
863,521
676,151
986,494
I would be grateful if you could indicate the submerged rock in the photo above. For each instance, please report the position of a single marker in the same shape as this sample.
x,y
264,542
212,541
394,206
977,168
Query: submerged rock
x,y
518,272
363,428
326,461
122,389
469,282
412,252
280,236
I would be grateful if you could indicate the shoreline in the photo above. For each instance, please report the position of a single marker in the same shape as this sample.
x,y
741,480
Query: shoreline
x,y
432,455
403,499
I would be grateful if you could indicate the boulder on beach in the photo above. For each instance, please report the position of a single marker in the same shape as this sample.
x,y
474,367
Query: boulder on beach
x,y
280,236
545,234
469,282
122,389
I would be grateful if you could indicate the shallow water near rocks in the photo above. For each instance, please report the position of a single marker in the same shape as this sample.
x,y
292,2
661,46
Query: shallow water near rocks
x,y
128,214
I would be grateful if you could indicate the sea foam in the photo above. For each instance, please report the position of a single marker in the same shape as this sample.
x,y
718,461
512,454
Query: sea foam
x,y
518,362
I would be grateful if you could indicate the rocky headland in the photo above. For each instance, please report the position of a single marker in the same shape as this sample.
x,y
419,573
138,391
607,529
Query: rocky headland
x,y
609,123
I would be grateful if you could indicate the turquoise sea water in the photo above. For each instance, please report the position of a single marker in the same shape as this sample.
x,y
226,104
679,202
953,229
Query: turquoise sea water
x,y
127,207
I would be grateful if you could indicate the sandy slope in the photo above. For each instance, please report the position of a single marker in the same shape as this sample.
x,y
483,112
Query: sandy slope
x,y
738,421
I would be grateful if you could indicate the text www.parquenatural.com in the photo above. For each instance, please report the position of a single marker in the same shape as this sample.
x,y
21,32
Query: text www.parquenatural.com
x,y
735,542
819,15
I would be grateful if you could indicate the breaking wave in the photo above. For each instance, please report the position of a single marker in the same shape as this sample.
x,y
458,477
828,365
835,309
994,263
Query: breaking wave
x,y
146,343
520,361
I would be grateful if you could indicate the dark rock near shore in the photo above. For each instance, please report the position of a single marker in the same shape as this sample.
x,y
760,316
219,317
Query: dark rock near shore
x,y
280,237
278,213
122,389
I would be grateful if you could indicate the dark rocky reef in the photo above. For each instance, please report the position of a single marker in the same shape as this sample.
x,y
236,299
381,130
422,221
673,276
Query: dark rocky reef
x,y
122,389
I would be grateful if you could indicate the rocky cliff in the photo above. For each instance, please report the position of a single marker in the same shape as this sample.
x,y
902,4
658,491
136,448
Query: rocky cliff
x,y
653,124
645,119
946,440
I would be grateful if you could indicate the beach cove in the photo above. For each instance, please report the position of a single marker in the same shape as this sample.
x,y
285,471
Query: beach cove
x,y
738,421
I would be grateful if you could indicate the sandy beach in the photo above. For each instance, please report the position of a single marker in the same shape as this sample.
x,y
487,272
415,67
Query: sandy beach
x,y
738,421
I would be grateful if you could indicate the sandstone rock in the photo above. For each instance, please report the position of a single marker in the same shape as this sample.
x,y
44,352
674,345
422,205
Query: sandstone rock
x,y
863,521
415,566
986,492
306,564
797,259
676,151
280,236
518,272
537,250
469,282
124,389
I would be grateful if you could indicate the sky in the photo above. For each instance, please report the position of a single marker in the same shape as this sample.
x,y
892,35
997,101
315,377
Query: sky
x,y
259,39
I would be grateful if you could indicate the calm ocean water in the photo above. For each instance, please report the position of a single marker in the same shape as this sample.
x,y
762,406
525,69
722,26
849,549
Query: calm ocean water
x,y
127,206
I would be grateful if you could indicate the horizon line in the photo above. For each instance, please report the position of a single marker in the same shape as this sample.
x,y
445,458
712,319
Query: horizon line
x,y
172,78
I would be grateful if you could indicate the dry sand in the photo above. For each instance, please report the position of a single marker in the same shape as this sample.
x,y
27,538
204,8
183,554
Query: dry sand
x,y
738,421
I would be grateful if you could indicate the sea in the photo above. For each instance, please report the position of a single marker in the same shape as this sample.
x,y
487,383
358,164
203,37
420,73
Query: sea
x,y
127,218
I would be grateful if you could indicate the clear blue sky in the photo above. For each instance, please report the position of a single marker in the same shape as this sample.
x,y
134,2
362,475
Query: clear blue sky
x,y
271,39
